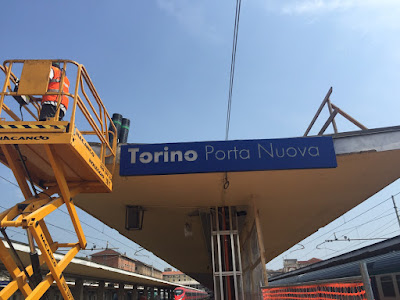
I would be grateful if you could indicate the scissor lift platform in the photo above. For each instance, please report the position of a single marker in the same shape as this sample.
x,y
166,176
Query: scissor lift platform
x,y
79,162
52,162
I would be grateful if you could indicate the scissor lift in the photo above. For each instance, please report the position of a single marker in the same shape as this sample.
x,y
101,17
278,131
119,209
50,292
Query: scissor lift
x,y
52,162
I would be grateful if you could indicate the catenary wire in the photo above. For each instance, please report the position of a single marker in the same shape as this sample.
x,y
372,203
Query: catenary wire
x,y
94,228
359,215
233,62
69,231
354,245
9,181
366,223
16,185
334,229
379,229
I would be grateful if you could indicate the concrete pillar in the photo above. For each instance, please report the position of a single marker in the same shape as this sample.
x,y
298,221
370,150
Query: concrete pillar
x,y
121,291
151,293
145,292
51,293
100,290
108,291
168,294
19,296
85,293
78,289
366,280
135,293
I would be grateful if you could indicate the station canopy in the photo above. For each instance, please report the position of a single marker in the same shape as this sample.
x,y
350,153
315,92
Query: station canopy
x,y
292,203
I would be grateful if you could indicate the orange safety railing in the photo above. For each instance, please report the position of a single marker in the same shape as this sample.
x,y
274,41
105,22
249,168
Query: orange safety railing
x,y
322,291
87,102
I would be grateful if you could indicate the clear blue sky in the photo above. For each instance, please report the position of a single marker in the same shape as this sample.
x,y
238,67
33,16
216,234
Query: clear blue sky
x,y
165,65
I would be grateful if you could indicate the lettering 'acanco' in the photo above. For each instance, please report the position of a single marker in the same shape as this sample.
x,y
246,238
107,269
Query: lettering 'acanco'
x,y
23,138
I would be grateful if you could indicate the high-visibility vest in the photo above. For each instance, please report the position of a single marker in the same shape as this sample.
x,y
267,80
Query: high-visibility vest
x,y
54,86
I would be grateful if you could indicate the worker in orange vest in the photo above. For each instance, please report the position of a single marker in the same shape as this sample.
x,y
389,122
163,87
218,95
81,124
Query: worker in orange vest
x,y
49,102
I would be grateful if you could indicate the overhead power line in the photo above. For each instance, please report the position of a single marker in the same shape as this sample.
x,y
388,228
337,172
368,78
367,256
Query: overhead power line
x,y
359,215
233,61
70,231
94,228
347,222
91,237
9,181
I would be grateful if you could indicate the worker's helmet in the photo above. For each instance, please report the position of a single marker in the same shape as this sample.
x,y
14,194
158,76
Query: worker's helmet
x,y
56,64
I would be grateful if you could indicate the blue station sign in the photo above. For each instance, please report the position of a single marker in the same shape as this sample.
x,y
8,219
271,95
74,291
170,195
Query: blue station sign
x,y
227,156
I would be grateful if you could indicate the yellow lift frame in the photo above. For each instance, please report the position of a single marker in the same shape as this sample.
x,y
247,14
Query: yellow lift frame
x,y
54,156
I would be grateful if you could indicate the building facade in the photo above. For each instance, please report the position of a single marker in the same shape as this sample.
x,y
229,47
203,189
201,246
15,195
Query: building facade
x,y
294,264
112,258
180,278
147,270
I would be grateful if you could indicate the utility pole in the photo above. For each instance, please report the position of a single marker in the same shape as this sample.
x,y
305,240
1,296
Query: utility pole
x,y
366,281
395,209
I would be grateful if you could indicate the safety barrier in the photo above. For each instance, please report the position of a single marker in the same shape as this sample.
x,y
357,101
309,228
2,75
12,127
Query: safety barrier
x,y
354,291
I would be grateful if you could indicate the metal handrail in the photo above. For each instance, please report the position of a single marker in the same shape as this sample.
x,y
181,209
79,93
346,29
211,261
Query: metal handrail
x,y
14,80
101,122
333,111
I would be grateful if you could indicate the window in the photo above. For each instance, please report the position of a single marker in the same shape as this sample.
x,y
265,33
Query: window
x,y
375,288
178,292
387,286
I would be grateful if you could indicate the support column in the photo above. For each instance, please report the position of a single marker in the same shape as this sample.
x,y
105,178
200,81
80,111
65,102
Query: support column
x,y
253,253
151,293
145,292
260,243
366,280
78,290
50,294
121,291
18,296
110,289
100,290
85,293
135,293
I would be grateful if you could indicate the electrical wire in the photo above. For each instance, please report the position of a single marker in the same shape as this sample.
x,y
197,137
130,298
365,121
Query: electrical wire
x,y
109,236
379,229
355,245
73,232
348,221
9,181
334,229
233,61
94,228
16,185
366,223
